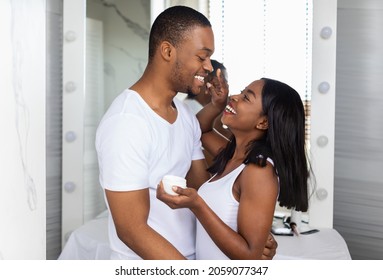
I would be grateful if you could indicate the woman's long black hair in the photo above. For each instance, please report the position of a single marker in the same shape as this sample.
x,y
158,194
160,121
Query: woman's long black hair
x,y
284,143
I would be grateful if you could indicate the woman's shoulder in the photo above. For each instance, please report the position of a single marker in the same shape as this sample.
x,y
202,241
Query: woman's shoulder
x,y
257,182
253,168
254,174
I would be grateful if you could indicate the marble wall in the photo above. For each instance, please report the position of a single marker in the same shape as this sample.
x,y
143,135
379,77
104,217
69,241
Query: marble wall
x,y
22,123
126,26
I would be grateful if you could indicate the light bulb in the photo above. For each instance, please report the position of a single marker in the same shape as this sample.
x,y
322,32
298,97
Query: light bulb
x,y
321,194
69,187
70,36
324,87
326,32
70,136
322,141
70,87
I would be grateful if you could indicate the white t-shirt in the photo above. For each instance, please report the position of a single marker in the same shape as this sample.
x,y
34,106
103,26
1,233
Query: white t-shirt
x,y
136,148
193,104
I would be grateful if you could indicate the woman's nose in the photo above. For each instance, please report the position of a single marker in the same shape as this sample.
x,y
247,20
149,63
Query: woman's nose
x,y
233,98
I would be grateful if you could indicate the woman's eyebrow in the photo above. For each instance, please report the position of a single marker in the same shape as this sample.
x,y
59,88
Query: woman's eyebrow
x,y
251,92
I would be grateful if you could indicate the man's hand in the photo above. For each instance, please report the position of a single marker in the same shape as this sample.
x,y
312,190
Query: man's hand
x,y
270,248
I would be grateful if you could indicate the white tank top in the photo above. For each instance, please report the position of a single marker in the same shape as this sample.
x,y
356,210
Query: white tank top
x,y
219,196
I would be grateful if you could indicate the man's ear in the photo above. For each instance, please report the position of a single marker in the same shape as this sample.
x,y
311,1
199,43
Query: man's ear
x,y
167,50
263,124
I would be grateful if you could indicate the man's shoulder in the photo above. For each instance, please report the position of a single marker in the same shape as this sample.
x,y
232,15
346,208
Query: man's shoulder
x,y
127,102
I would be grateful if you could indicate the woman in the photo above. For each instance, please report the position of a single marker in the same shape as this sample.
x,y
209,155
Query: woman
x,y
264,162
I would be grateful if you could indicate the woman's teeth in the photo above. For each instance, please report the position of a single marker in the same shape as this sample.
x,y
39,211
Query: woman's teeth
x,y
230,109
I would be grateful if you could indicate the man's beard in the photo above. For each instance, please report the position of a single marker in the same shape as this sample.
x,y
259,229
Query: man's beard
x,y
181,85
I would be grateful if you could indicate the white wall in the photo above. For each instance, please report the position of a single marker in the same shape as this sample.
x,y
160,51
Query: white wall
x,y
22,124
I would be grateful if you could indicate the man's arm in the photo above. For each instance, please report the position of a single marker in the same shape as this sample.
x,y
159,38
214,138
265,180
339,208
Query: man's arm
x,y
197,174
270,248
130,211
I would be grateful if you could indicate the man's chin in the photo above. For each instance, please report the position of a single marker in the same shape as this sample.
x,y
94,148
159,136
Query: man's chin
x,y
191,94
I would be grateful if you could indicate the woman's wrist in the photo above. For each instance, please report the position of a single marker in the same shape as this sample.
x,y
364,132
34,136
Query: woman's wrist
x,y
197,205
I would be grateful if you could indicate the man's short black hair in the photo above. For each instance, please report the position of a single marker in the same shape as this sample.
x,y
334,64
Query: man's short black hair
x,y
173,25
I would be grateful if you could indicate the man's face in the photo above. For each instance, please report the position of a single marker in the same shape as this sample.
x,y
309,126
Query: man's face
x,y
192,63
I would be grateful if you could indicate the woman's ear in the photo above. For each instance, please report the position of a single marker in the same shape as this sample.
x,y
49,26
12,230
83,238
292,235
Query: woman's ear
x,y
263,124
166,50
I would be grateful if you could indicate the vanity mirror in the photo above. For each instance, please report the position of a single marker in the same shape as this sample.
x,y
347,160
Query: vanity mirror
x,y
105,51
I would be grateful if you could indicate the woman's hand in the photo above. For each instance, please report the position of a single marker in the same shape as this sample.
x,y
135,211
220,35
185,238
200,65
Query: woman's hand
x,y
187,198
218,88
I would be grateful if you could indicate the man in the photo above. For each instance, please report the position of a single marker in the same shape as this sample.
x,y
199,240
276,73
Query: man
x,y
147,133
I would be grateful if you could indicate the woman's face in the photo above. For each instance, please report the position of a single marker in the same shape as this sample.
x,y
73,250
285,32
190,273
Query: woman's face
x,y
244,111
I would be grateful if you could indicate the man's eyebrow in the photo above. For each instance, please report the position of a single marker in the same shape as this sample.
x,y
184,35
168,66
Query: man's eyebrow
x,y
207,49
